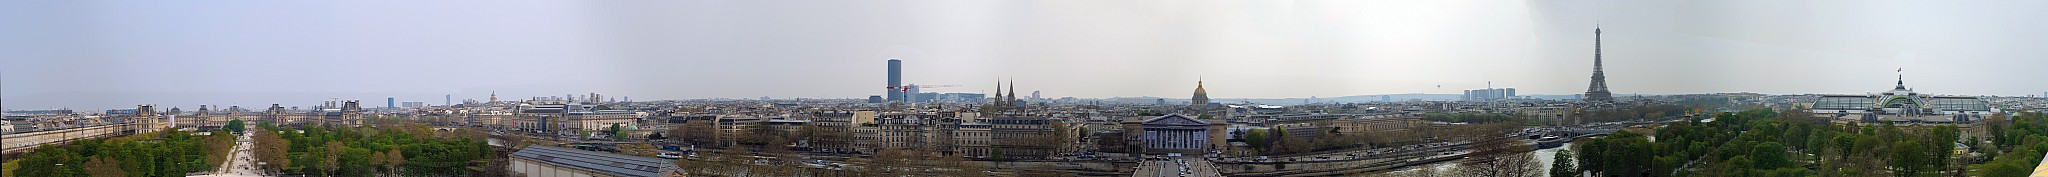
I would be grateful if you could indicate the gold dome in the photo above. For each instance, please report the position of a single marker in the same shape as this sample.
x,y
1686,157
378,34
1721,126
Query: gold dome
x,y
1201,95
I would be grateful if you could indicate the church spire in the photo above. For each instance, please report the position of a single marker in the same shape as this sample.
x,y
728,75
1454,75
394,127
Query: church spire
x,y
1013,91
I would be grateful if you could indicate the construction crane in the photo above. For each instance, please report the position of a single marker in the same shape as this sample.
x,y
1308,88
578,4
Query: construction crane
x,y
915,86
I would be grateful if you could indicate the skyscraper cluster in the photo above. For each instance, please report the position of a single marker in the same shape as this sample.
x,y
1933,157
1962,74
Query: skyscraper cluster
x,y
1489,94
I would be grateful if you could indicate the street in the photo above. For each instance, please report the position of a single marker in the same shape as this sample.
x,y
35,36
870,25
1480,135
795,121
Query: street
x,y
1177,167
240,163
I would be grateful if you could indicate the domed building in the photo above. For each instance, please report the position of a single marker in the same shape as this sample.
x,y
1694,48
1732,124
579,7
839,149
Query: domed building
x,y
1901,104
1200,105
1201,95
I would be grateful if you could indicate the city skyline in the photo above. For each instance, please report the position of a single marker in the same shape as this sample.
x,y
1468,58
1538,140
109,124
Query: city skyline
x,y
111,55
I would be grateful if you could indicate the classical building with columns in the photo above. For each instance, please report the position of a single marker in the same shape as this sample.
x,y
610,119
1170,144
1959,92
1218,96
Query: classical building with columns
x,y
1176,133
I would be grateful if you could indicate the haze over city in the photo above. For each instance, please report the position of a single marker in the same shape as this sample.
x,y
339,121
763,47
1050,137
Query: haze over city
x,y
100,55
1023,88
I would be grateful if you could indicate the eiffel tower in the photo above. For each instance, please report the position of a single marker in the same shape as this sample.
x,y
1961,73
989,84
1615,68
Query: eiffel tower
x,y
1598,91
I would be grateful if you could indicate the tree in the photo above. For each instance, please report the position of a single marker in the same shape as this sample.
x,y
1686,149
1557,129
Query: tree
x,y
1561,166
273,150
1257,139
1845,144
1944,138
1590,159
235,126
7,169
1277,138
331,160
1770,155
2003,169
1499,156
392,159
697,133
1738,166
1062,137
104,166
1997,126
377,160
961,167
618,133
893,162
1908,159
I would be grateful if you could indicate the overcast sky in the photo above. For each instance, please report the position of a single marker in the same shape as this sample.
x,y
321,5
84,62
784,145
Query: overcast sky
x,y
114,54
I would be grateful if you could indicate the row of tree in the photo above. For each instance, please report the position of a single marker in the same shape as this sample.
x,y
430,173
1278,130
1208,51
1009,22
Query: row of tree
x,y
162,153
1490,154
1285,141
384,150
1766,143
2021,142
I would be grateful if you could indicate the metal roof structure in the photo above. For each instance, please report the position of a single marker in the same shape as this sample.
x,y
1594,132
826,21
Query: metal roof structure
x,y
608,163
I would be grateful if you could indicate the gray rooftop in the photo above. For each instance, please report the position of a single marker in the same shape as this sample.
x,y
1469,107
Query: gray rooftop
x,y
614,164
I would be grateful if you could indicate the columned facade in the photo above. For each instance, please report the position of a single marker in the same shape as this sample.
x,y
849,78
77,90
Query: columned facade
x,y
1176,133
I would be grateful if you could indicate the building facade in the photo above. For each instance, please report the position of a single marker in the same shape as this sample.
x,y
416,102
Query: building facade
x,y
1021,137
1901,104
1175,133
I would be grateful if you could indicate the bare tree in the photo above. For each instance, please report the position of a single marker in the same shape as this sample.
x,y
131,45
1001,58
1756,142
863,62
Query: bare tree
x,y
1497,155
959,166
694,133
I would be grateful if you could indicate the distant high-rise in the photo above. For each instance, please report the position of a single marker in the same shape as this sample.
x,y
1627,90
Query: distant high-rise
x,y
913,94
1598,90
447,99
1489,94
390,103
1035,96
895,80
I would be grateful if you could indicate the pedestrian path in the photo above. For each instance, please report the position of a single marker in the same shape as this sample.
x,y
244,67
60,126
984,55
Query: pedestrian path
x,y
240,163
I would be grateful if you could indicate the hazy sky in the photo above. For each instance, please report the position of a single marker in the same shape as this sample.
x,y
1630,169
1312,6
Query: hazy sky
x,y
112,54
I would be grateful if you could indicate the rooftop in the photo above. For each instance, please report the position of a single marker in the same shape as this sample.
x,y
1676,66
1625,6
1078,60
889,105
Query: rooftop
x,y
614,164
